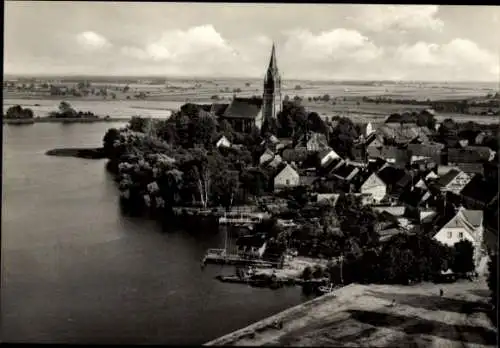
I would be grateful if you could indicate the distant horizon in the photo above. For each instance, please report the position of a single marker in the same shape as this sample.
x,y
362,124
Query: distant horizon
x,y
193,77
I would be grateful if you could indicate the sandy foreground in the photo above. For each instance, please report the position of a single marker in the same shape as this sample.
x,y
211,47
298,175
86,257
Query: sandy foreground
x,y
363,315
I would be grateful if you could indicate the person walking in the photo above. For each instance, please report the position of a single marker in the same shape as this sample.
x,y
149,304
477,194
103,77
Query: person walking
x,y
441,292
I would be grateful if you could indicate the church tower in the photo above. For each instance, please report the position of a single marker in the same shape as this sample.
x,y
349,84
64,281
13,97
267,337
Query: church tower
x,y
272,102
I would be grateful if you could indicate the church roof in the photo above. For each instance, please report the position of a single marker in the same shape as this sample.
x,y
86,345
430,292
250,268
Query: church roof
x,y
247,108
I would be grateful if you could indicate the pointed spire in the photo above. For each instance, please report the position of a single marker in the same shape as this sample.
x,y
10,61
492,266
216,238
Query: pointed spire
x,y
273,65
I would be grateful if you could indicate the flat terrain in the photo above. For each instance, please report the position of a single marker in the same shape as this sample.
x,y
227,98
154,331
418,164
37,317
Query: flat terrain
x,y
360,315
345,98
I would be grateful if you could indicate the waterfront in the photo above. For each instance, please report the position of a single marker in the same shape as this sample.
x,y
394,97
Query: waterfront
x,y
75,270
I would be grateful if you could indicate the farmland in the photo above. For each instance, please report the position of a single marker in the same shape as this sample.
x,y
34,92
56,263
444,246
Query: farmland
x,y
126,98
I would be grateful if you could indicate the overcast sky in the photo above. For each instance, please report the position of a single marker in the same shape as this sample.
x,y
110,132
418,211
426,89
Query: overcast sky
x,y
314,41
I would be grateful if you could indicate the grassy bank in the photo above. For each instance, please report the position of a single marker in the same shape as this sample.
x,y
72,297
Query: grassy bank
x,y
361,315
89,153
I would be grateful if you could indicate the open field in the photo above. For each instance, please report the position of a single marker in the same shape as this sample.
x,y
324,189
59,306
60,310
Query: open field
x,y
360,315
160,98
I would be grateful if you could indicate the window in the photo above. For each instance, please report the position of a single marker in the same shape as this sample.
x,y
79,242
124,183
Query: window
x,y
460,235
287,181
449,235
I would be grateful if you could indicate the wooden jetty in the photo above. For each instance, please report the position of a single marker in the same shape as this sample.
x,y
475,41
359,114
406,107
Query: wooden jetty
x,y
219,256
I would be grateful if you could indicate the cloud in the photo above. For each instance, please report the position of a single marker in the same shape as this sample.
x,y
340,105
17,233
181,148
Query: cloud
x,y
334,45
197,43
92,40
400,18
457,56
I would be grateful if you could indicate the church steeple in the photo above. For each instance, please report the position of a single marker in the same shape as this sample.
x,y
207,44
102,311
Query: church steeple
x,y
272,89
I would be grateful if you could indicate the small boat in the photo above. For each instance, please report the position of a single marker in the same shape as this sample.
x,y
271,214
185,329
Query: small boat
x,y
326,289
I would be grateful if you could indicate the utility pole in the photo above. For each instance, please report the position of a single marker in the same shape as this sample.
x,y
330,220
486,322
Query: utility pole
x,y
341,267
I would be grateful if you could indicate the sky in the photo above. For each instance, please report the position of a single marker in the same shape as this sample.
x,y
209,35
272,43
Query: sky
x,y
313,41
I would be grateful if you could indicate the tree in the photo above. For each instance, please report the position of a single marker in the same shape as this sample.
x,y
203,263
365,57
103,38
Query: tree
x,y
291,119
17,112
326,97
137,124
343,136
316,123
426,119
463,257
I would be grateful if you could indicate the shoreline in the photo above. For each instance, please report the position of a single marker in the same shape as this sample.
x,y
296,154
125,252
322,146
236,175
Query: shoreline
x,y
349,312
268,322
63,120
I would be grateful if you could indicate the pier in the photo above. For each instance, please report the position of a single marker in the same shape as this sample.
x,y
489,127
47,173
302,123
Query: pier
x,y
219,256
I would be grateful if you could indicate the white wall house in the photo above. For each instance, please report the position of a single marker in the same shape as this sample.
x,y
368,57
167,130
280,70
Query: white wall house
x,y
327,156
465,225
376,187
287,177
223,141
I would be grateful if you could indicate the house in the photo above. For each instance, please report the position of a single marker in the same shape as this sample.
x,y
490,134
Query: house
x,y
326,156
390,175
453,181
396,211
327,197
345,171
312,141
465,225
267,156
430,149
479,193
307,179
223,142
471,168
366,129
297,155
470,154
272,143
254,245
375,187
480,138
414,199
286,177
274,162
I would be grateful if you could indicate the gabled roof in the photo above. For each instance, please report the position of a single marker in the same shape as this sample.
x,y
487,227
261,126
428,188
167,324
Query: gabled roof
x,y
444,180
401,118
414,197
218,109
390,175
466,219
247,108
295,155
480,190
470,154
345,171
325,152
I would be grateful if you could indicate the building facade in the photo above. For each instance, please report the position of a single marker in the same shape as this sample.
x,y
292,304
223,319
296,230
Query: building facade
x,y
272,101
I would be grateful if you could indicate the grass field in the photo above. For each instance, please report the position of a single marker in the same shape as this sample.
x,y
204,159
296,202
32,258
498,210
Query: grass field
x,y
360,315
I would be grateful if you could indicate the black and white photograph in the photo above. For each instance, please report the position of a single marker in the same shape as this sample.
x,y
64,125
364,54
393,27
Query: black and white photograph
x,y
250,174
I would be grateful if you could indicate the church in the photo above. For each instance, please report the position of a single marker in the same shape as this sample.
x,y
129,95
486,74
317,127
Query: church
x,y
245,113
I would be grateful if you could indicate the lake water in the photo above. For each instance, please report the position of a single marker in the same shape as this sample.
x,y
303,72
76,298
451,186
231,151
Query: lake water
x,y
121,108
75,270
